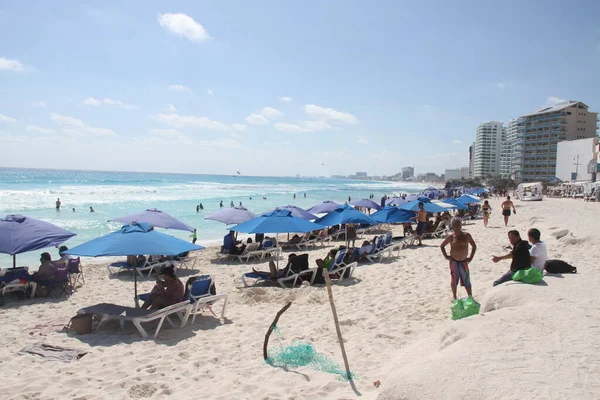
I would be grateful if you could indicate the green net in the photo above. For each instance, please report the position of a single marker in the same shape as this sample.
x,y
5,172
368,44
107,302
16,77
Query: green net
x,y
302,354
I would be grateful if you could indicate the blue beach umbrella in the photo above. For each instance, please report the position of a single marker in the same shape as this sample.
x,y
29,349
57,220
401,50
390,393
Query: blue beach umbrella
x,y
345,215
231,215
367,203
466,199
428,206
324,207
296,212
134,239
19,234
455,204
155,218
391,215
278,221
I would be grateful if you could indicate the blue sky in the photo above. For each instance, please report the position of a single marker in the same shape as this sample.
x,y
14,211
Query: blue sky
x,y
280,87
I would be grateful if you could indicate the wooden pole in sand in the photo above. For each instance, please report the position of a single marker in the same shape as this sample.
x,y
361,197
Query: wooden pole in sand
x,y
337,324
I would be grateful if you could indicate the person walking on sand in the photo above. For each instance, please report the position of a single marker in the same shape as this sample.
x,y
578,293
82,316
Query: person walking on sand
x,y
486,209
194,236
506,206
459,242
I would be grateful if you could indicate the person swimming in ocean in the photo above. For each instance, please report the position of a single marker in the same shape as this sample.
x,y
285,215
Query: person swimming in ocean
x,y
92,210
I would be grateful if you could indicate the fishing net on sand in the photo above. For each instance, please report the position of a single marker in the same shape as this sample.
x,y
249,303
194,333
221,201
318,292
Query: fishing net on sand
x,y
302,354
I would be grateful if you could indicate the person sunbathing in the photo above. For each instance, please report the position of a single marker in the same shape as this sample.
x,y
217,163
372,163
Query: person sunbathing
x,y
274,273
46,271
168,290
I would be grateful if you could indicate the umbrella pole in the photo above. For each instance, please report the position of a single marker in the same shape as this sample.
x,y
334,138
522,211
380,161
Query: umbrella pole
x,y
14,261
135,281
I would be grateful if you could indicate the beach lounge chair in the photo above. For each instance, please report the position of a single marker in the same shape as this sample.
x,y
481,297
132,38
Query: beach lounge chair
x,y
199,292
439,231
187,262
378,250
296,271
339,270
138,316
75,272
60,282
250,251
16,280
147,268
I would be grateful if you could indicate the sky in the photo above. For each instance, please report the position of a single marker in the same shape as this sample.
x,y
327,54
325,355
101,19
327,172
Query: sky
x,y
278,87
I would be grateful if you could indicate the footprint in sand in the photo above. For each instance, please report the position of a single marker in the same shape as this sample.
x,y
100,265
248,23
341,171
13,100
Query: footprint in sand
x,y
142,391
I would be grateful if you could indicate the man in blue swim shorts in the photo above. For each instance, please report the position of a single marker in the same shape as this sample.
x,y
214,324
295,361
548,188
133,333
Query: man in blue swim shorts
x,y
459,262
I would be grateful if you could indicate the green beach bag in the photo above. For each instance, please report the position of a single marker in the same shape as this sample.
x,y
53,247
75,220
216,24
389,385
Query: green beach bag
x,y
462,308
531,275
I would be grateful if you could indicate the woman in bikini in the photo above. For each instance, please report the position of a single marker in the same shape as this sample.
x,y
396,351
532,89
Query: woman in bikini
x,y
486,209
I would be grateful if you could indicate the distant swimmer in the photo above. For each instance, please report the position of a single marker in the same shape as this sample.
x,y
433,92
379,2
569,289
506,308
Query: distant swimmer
x,y
294,195
221,203
304,195
58,204
349,199
231,204
73,210
92,210
201,206
250,198
506,206
264,198
198,208
241,204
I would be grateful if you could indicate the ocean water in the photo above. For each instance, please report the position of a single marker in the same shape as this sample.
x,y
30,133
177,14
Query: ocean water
x,y
33,193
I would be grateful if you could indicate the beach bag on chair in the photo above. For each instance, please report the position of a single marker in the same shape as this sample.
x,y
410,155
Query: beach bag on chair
x,y
81,324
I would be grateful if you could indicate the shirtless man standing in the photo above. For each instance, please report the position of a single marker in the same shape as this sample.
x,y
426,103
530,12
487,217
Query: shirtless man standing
x,y
421,222
459,262
506,206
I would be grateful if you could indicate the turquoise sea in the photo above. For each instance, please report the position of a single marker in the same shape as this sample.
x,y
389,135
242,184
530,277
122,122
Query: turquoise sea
x,y
33,192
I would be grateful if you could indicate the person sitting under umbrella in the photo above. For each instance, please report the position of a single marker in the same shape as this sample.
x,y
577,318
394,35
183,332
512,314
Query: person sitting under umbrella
x,y
274,273
168,290
46,271
230,244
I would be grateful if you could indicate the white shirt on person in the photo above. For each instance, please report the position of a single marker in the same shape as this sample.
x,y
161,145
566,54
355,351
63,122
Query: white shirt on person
x,y
538,251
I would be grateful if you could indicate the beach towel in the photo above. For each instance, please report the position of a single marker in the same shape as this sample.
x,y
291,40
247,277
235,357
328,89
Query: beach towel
x,y
530,275
47,328
462,308
55,353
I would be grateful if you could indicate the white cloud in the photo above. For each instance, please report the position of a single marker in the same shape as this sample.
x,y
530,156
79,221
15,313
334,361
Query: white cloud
x,y
303,126
209,92
256,119
501,85
180,88
183,25
236,135
238,127
271,113
4,118
11,65
90,101
77,126
456,141
362,140
553,100
285,99
37,129
40,104
166,132
329,114
170,108
182,121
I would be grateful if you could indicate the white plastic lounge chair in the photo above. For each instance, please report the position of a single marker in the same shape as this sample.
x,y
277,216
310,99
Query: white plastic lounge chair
x,y
377,251
299,262
147,267
187,262
201,297
439,231
250,251
338,271
138,316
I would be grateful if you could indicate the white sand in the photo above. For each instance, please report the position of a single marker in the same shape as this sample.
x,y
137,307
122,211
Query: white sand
x,y
532,341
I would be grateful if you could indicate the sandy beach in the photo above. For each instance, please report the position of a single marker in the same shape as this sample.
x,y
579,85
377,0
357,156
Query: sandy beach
x,y
531,341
